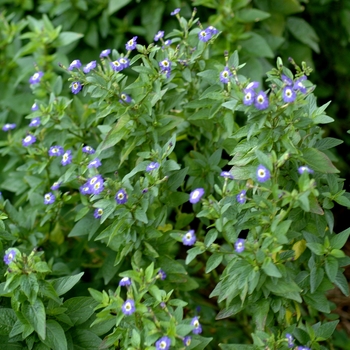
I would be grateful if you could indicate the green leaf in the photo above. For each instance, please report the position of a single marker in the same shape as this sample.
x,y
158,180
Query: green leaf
x,y
30,286
88,225
7,320
316,277
318,161
55,336
66,38
318,301
64,284
213,262
85,340
257,46
115,5
141,216
251,15
338,241
342,283
36,316
270,268
192,253
238,347
316,248
303,32
327,143
79,309
331,267
326,330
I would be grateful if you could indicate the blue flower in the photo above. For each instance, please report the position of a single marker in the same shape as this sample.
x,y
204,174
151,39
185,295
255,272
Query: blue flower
x,y
124,62
251,86
89,67
303,348
167,42
105,53
165,67
74,64
290,340
88,149
55,186
225,75
226,174
261,101
159,35
35,78
248,98
116,66
98,213
175,12
76,87
49,198
66,158
94,163
262,173
298,84
196,195
85,189
121,197
152,166
187,340
125,281
241,197
288,94
205,35
302,169
163,343
35,122
9,256
128,307
28,140
288,81
197,326
35,107
212,30
131,44
56,151
125,98
96,184
8,127
189,238
239,245
161,274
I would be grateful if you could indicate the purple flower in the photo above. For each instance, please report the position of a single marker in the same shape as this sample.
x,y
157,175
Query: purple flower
x,y
152,166
35,122
205,35
175,12
241,197
225,75
121,197
165,67
105,53
261,101
302,169
8,127
35,107
10,256
196,195
36,77
131,44
89,67
128,307
251,86
248,98
239,245
96,184
88,149
197,326
167,42
66,158
55,186
116,66
187,340
85,189
159,35
125,281
262,173
303,348
125,98
290,340
163,343
124,62
226,174
74,64
94,163
98,213
189,238
56,151
161,274
49,198
212,30
298,84
28,140
288,94
76,87
288,81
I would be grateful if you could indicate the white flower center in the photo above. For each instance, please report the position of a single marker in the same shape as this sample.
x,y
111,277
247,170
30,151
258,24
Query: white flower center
x,y
28,138
75,85
261,173
47,197
36,76
120,195
248,96
162,345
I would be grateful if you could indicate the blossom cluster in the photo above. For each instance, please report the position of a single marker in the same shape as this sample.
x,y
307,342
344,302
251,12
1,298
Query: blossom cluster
x,y
206,34
259,99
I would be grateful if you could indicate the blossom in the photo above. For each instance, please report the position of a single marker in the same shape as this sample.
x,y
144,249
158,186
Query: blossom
x,y
189,238
28,140
303,348
262,173
196,195
152,166
89,67
163,343
288,81
76,87
94,163
175,12
131,44
74,64
105,53
261,101
251,86
55,186
128,307
85,189
36,77
66,158
239,245
241,197
226,174
197,326
288,94
302,169
124,62
248,98
161,274
298,84
35,122
205,35
159,35
125,98
98,213
88,149
121,197
212,30
290,340
56,151
187,340
8,127
165,67
225,75
96,184
167,42
125,281
10,256
116,66
35,107
49,198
